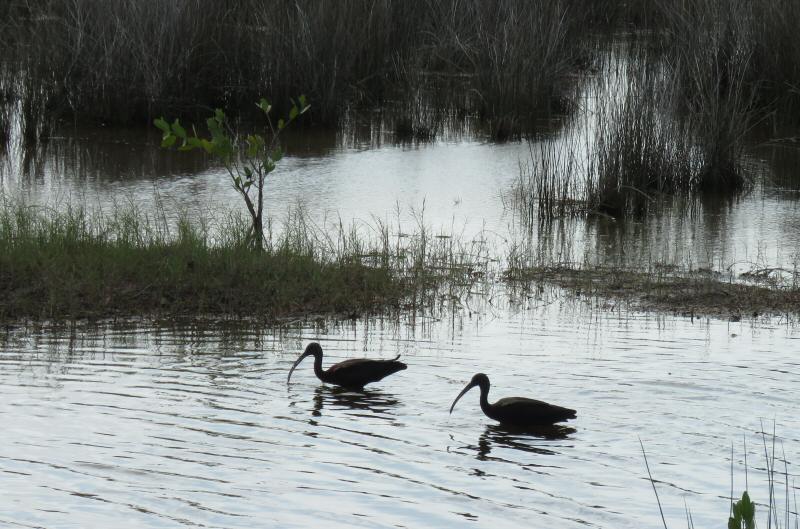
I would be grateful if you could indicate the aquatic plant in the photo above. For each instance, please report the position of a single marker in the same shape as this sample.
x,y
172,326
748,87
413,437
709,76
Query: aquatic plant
x,y
247,162
644,139
641,150
743,514
517,52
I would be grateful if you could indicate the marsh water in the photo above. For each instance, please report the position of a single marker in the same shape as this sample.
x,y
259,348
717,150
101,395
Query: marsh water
x,y
137,425
141,426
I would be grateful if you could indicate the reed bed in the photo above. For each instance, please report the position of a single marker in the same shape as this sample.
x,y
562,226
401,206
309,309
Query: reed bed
x,y
74,262
641,151
712,54
644,139
743,54
127,62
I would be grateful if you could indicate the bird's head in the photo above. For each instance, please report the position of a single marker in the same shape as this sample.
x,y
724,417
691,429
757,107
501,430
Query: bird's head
x,y
480,380
312,349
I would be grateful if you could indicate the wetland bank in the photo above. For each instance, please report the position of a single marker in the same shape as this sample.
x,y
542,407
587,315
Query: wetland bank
x,y
603,219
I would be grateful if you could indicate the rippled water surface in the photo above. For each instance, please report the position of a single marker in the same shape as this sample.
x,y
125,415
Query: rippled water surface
x,y
153,427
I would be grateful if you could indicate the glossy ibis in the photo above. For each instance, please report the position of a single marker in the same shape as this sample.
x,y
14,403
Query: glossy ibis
x,y
354,373
516,411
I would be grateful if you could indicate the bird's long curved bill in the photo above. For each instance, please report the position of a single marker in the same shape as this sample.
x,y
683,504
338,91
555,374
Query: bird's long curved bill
x,y
296,363
469,387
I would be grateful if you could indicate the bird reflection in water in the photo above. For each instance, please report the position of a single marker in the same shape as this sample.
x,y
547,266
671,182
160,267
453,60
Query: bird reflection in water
x,y
497,435
371,403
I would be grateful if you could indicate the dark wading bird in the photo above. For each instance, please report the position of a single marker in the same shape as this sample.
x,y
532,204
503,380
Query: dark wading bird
x,y
352,374
516,411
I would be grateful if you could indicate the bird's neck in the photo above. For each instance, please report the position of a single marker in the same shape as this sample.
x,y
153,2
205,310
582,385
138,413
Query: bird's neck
x,y
318,368
485,406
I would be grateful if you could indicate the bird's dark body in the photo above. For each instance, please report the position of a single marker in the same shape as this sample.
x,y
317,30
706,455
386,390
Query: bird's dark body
x,y
520,411
352,374
358,372
516,411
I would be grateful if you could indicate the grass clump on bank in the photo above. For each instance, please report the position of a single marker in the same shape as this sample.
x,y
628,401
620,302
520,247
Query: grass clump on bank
x,y
73,263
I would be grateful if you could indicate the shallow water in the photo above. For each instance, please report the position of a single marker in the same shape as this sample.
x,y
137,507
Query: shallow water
x,y
153,427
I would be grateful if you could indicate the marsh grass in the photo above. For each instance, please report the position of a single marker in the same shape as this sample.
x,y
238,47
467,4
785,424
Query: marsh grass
x,y
747,52
517,51
72,262
419,117
127,62
644,140
711,53
641,151
547,188
631,152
